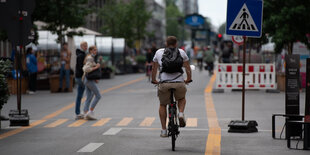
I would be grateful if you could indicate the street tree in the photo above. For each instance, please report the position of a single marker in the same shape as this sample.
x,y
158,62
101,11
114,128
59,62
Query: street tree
x,y
126,20
287,22
60,15
174,20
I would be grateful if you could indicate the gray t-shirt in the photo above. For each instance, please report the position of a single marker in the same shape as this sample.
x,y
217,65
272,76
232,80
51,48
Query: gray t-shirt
x,y
169,76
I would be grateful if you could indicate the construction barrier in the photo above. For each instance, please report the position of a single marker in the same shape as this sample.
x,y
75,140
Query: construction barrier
x,y
258,76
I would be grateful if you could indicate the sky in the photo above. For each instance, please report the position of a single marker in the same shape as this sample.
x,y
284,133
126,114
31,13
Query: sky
x,y
214,10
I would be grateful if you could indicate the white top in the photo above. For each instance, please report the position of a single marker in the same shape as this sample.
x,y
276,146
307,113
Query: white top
x,y
169,76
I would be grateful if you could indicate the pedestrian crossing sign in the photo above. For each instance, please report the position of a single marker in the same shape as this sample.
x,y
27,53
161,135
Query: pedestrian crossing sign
x,y
244,17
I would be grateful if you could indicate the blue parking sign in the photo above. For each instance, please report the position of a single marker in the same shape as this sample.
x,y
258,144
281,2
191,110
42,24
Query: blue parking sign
x,y
244,18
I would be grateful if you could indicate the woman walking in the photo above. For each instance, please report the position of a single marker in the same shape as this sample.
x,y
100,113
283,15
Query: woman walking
x,y
90,84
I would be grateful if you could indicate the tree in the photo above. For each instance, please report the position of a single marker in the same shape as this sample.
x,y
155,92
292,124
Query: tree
x,y
287,22
60,15
174,20
5,68
222,28
126,20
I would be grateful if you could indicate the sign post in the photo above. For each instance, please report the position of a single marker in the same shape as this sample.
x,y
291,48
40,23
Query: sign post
x,y
244,18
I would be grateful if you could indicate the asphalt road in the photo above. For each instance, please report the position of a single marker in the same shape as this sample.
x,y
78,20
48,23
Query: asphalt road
x,y
128,122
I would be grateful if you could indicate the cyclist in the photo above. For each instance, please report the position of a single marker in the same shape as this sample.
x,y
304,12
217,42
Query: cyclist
x,y
148,63
171,80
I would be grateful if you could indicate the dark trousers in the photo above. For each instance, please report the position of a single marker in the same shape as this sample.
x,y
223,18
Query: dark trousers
x,y
32,81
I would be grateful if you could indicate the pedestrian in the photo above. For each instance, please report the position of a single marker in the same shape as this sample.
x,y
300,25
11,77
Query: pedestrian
x,y
32,67
171,77
80,56
65,57
199,58
209,60
227,53
90,85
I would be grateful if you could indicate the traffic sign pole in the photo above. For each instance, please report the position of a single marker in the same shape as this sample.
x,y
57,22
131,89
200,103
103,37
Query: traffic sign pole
x,y
243,77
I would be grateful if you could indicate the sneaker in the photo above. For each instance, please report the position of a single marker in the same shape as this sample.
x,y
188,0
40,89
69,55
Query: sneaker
x,y
31,92
182,119
90,116
163,133
66,90
79,116
59,90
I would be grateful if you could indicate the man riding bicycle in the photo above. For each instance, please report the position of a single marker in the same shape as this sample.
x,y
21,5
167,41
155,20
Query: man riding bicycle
x,y
171,76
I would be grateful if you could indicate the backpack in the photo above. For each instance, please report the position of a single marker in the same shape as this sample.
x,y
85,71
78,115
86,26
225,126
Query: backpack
x,y
172,61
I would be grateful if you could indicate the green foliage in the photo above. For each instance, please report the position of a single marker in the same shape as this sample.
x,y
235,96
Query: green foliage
x,y
125,20
140,59
174,20
5,67
222,28
287,21
61,15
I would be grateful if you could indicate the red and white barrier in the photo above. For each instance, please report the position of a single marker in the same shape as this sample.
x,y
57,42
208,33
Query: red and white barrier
x,y
258,76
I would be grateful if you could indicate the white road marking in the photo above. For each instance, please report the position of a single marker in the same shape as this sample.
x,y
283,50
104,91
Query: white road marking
x,y
91,147
112,131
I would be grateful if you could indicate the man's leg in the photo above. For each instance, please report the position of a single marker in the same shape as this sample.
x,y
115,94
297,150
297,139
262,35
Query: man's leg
x,y
163,116
67,76
181,105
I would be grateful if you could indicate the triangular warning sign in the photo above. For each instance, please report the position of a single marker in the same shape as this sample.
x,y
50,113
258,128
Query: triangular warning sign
x,y
244,21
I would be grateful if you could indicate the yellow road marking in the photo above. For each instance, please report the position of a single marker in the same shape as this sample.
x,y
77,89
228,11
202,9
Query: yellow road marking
x,y
191,122
147,121
125,121
102,122
21,129
213,144
78,123
56,123
56,113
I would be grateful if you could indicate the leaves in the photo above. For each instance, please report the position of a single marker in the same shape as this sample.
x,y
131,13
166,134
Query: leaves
x,y
287,22
5,67
61,14
125,20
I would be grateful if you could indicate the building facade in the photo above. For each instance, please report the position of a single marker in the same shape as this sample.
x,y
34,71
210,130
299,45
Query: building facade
x,y
187,6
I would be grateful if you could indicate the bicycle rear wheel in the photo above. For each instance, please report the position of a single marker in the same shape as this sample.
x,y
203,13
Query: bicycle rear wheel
x,y
173,140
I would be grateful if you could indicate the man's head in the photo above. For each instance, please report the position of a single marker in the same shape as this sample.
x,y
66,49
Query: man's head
x,y
171,41
83,46
65,46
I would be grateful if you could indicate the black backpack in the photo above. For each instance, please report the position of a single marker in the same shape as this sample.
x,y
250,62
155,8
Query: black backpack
x,y
172,61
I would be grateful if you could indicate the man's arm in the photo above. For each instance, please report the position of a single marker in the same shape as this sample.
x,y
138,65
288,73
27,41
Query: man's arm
x,y
188,71
154,72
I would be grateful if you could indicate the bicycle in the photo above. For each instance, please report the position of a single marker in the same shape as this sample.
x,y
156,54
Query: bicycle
x,y
173,125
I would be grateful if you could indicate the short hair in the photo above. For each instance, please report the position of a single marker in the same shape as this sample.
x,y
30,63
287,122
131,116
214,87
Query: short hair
x,y
29,50
91,48
83,42
171,41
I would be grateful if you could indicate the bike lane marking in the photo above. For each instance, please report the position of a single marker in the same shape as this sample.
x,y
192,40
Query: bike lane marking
x,y
125,121
91,147
102,122
60,111
191,122
213,144
148,121
56,123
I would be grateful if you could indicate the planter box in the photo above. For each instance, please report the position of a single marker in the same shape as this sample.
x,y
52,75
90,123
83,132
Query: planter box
x,y
13,87
54,83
